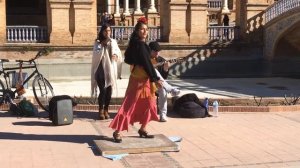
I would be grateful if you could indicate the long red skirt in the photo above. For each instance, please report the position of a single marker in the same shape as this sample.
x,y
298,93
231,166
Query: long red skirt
x,y
139,104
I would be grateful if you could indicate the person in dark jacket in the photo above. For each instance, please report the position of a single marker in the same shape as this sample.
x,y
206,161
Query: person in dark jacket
x,y
226,23
162,70
139,104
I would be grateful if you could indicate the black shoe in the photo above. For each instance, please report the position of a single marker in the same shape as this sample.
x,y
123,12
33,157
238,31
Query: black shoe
x,y
144,134
117,137
208,115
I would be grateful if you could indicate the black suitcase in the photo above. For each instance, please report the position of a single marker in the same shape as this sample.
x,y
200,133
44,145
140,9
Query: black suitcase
x,y
61,110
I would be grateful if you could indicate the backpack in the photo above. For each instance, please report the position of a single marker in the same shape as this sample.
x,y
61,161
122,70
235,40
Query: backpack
x,y
27,108
189,106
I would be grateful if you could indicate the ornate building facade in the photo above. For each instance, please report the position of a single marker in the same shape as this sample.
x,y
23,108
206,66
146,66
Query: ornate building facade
x,y
185,22
74,22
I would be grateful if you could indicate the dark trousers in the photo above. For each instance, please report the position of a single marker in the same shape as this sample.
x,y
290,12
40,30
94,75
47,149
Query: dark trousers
x,y
105,93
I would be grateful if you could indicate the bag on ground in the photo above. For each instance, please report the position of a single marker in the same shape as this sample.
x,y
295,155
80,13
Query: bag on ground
x,y
189,106
15,109
28,109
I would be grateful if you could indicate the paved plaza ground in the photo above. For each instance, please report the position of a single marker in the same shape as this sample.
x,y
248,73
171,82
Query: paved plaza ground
x,y
235,140
240,140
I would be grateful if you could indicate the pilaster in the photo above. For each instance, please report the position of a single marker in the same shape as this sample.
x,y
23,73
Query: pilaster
x,y
198,25
84,22
2,22
60,30
241,18
178,32
188,21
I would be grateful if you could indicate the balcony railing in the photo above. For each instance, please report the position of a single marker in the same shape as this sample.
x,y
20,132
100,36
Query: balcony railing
x,y
123,33
223,33
280,7
26,34
214,4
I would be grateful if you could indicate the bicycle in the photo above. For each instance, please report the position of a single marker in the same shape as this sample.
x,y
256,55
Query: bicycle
x,y
42,89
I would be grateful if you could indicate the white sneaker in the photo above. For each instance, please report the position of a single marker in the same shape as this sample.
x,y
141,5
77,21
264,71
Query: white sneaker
x,y
163,119
175,92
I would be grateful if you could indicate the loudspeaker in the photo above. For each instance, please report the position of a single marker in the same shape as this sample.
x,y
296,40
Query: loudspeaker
x,y
61,110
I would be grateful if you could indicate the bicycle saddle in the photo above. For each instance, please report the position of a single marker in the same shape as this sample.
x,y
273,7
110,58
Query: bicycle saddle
x,y
4,60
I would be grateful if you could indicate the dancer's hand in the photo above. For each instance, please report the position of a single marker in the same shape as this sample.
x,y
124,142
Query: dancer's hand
x,y
159,83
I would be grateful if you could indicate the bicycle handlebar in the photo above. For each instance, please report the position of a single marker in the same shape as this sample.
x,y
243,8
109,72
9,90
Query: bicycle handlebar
x,y
21,61
39,54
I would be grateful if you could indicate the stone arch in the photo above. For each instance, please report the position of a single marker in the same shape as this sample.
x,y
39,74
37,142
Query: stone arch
x,y
288,44
277,28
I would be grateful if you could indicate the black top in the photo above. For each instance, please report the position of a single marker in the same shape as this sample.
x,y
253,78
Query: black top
x,y
160,68
139,54
226,20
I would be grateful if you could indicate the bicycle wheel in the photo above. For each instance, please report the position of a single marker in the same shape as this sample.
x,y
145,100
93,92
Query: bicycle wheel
x,y
2,91
42,91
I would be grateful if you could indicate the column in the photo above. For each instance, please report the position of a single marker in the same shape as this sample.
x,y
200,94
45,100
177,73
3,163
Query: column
x,y
152,15
152,8
137,12
60,30
225,9
2,22
165,20
108,6
117,9
126,7
85,28
137,9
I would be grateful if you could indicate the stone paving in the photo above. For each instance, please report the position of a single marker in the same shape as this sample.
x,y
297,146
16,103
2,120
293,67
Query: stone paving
x,y
231,140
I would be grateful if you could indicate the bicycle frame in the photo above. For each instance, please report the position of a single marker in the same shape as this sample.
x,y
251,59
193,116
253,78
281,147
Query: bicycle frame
x,y
34,73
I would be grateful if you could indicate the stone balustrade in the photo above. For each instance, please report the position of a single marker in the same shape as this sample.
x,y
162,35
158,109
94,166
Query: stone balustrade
x,y
214,4
223,32
280,7
26,34
123,33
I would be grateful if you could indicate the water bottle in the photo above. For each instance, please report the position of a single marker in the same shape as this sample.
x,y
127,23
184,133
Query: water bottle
x,y
205,103
216,108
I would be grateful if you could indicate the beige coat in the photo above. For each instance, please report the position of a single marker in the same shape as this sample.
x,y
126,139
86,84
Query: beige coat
x,y
109,66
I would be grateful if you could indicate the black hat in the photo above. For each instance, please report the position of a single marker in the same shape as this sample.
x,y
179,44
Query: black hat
x,y
154,46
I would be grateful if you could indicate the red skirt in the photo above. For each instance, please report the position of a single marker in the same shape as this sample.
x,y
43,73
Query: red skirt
x,y
139,104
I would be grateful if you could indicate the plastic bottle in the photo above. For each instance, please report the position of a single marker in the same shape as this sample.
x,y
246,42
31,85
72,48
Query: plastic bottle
x,y
216,108
205,103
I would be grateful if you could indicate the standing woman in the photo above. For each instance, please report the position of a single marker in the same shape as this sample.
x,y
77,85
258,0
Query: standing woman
x,y
104,68
139,104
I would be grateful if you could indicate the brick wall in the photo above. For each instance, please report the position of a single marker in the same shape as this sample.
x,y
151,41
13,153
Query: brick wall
x,y
2,22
